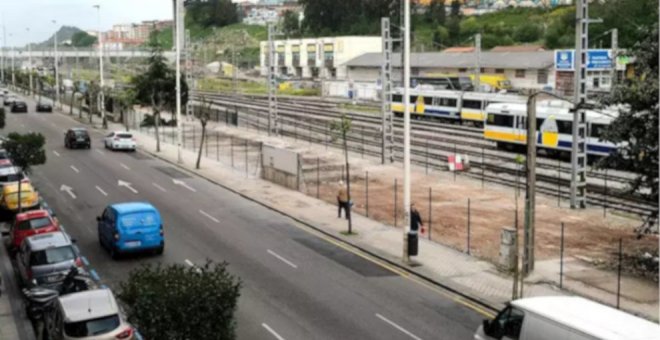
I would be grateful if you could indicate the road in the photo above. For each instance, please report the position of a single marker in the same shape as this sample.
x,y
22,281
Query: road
x,y
295,284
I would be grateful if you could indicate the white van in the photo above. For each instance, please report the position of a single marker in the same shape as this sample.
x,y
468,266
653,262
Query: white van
x,y
564,317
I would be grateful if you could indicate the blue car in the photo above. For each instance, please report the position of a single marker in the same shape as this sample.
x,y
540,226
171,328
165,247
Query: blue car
x,y
131,227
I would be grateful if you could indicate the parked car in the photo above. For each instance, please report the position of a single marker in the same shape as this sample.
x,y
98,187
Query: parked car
x,y
29,197
5,163
91,315
19,106
44,107
31,223
45,259
12,174
120,140
9,99
131,227
77,137
565,317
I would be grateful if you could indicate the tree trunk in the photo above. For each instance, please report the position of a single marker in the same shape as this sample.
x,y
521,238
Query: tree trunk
x,y
348,186
73,99
201,145
156,124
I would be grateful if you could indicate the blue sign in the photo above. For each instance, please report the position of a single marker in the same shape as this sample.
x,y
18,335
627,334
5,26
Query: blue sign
x,y
596,60
564,60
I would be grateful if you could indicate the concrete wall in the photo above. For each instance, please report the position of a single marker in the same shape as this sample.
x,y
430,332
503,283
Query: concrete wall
x,y
280,166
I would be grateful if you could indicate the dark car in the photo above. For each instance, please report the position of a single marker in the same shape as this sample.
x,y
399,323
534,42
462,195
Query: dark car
x,y
44,107
19,106
77,137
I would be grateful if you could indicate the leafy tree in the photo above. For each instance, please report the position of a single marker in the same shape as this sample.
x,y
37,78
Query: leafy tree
x,y
636,127
3,117
454,30
92,99
26,151
211,13
203,113
74,90
331,17
528,32
125,98
82,39
440,37
341,129
156,86
181,302
290,23
435,12
455,8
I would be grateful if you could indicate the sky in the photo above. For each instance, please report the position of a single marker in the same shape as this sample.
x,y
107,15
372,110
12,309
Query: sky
x,y
37,15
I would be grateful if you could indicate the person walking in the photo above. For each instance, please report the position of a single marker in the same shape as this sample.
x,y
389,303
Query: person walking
x,y
415,219
342,200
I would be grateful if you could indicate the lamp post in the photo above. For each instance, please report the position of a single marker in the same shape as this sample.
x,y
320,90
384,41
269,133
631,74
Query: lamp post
x,y
57,67
4,51
102,82
178,16
30,62
406,131
13,75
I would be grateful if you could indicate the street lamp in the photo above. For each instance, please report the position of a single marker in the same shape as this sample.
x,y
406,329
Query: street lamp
x,y
102,83
13,76
178,16
57,73
406,132
30,62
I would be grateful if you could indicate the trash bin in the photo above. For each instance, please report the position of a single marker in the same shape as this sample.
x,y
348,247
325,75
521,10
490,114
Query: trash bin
x,y
412,243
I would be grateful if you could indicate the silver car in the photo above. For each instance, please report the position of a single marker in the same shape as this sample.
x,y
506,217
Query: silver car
x,y
45,259
90,315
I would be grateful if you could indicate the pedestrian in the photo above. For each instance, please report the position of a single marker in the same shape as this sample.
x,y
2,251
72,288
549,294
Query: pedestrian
x,y
342,200
415,219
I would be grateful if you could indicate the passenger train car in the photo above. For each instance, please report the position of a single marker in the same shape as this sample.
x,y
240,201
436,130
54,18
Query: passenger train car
x,y
456,106
506,124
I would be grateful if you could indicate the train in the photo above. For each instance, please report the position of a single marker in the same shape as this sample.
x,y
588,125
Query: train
x,y
506,124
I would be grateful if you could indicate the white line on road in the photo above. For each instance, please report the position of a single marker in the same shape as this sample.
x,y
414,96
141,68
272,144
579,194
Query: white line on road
x,y
124,166
101,191
271,331
188,262
75,169
209,216
56,153
159,187
183,184
127,185
282,259
403,330
99,151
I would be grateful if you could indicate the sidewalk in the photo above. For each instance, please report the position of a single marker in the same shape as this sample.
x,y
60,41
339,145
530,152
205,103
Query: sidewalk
x,y
477,279
13,322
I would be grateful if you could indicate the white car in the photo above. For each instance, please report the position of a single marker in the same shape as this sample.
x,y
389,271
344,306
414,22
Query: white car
x,y
120,140
92,315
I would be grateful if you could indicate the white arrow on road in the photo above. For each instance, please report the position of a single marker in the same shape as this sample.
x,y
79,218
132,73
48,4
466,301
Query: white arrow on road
x,y
68,190
183,184
127,185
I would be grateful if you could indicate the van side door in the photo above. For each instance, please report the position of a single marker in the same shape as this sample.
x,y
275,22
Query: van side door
x,y
507,325
106,225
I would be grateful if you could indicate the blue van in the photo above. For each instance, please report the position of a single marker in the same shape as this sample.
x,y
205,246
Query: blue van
x,y
131,227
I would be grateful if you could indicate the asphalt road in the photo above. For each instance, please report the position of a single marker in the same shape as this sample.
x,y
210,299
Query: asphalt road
x,y
296,285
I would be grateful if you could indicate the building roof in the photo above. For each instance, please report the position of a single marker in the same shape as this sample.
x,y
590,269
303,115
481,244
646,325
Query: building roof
x,y
459,49
507,60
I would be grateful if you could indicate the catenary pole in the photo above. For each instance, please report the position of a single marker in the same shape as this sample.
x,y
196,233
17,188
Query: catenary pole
x,y
57,67
178,13
406,129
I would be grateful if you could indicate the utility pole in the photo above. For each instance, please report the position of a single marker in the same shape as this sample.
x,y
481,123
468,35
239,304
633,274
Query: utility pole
x,y
102,82
57,68
387,152
579,145
13,74
4,49
530,191
188,53
615,54
406,131
177,35
477,71
234,74
272,85
30,62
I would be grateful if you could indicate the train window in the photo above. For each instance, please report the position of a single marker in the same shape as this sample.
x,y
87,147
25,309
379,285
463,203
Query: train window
x,y
428,100
565,127
397,98
500,120
472,104
597,130
539,123
446,102
413,99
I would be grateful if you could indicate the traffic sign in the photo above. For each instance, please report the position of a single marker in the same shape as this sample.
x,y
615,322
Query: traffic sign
x,y
564,60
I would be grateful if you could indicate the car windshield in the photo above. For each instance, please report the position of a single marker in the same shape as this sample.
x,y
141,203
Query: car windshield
x,y
92,327
143,219
52,255
11,178
80,133
35,223
124,135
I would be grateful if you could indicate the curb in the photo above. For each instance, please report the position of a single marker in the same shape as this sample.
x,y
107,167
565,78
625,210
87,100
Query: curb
x,y
472,299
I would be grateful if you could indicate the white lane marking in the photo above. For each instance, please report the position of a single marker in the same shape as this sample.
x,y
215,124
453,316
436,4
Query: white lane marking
x,y
75,169
127,185
403,330
68,190
282,259
124,166
271,331
209,216
56,153
101,191
159,187
99,151
188,262
183,184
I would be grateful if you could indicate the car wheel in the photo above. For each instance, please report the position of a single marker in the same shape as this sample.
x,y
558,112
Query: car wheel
x,y
160,250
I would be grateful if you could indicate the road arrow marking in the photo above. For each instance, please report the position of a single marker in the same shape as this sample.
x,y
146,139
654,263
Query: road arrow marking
x,y
75,169
101,191
127,185
124,166
183,184
68,190
56,153
209,216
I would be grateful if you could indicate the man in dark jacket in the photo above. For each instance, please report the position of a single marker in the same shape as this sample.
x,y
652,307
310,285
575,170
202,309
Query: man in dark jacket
x,y
415,218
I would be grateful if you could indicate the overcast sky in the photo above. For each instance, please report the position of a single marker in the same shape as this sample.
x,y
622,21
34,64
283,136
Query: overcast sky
x,y
17,15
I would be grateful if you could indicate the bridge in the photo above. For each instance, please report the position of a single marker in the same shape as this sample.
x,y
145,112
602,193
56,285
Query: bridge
x,y
64,53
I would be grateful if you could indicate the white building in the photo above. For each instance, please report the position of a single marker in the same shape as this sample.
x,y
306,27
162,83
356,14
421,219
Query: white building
x,y
318,57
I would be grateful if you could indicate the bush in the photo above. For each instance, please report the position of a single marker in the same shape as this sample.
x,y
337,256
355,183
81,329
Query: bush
x,y
149,121
528,32
2,117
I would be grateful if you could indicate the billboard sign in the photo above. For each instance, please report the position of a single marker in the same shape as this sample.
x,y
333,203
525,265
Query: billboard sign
x,y
596,60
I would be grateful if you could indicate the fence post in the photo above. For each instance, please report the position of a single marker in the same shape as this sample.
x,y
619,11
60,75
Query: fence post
x,y
205,140
183,132
605,205
454,162
427,157
559,183
561,257
618,281
468,227
217,146
194,136
395,201
231,141
362,130
247,170
295,130
309,126
366,181
430,211
483,166
327,135
318,176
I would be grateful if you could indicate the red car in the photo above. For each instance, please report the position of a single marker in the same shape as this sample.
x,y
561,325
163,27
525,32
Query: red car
x,y
31,223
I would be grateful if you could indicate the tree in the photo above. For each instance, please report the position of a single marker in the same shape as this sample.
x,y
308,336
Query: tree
x,y
82,39
435,12
290,23
341,129
182,302
92,98
203,113
25,151
3,117
156,86
528,32
455,8
210,13
454,23
332,17
74,90
125,99
635,129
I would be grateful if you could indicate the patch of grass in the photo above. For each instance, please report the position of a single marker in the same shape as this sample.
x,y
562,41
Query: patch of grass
x,y
346,233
